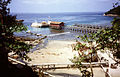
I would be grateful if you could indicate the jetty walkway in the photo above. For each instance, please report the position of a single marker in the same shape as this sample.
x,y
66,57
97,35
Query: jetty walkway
x,y
85,28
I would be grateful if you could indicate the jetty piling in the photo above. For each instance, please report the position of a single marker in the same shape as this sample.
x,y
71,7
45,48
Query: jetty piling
x,y
85,28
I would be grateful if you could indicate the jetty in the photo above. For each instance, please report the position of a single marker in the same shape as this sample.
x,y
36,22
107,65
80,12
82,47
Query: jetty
x,y
85,28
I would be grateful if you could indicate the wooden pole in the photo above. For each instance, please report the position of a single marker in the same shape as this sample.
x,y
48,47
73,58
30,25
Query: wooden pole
x,y
91,65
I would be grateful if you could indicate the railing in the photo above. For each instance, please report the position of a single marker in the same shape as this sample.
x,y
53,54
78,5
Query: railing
x,y
105,70
16,61
48,66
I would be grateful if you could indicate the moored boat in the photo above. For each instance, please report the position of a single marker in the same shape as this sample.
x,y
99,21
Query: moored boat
x,y
38,25
51,24
56,25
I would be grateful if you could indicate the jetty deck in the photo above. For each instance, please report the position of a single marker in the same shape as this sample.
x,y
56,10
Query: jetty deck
x,y
85,28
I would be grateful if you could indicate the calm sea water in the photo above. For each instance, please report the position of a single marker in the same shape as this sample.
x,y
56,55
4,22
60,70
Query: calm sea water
x,y
67,18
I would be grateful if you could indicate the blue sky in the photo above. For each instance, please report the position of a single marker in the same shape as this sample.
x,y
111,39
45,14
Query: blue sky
x,y
56,6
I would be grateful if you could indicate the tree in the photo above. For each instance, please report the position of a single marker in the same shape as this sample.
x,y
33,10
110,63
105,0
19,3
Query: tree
x,y
106,39
87,53
110,38
8,43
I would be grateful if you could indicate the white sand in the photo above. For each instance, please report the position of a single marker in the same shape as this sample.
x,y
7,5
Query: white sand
x,y
97,72
59,52
55,52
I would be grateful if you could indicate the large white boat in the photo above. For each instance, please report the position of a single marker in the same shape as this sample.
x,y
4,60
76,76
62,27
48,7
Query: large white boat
x,y
38,25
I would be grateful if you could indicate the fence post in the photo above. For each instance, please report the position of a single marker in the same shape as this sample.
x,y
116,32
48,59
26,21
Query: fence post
x,y
106,73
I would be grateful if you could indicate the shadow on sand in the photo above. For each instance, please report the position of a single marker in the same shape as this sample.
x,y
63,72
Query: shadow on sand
x,y
65,75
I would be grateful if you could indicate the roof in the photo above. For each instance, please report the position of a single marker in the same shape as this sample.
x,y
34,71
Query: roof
x,y
19,20
53,22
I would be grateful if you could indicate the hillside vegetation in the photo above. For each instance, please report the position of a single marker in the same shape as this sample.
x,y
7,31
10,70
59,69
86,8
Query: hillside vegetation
x,y
115,11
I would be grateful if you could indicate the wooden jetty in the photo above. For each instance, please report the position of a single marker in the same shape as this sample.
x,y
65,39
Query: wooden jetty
x,y
85,28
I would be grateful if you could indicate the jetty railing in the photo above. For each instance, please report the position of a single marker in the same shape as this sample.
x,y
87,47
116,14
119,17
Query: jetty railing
x,y
85,28
49,66
52,66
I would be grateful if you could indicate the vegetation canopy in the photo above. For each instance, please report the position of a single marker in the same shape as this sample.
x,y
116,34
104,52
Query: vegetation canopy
x,y
9,43
9,25
105,39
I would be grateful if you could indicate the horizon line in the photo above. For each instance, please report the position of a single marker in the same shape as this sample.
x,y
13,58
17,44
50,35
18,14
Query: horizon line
x,y
54,12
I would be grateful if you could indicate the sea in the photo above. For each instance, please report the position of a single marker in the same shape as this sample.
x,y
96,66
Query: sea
x,y
93,18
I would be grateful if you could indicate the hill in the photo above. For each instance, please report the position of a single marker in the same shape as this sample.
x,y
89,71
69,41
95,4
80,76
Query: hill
x,y
113,12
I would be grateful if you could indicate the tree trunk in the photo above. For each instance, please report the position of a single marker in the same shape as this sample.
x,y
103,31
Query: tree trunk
x,y
91,65
4,71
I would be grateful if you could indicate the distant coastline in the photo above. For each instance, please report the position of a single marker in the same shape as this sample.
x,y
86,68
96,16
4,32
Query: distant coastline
x,y
112,15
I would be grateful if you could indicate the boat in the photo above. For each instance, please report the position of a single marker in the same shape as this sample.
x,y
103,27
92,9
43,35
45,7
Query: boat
x,y
56,25
19,20
51,24
38,25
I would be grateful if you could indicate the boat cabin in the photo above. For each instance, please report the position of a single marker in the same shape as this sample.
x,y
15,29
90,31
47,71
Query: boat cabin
x,y
56,25
40,25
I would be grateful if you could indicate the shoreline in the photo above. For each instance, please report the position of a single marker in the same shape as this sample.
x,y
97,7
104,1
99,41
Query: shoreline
x,y
111,15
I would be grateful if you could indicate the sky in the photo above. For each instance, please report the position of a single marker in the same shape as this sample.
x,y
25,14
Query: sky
x,y
60,6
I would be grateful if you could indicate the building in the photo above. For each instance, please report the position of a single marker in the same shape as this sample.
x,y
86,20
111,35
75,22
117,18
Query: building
x,y
56,25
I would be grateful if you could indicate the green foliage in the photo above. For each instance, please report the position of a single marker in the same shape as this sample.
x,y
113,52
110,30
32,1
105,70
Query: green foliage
x,y
110,38
9,25
86,54
86,73
78,63
105,39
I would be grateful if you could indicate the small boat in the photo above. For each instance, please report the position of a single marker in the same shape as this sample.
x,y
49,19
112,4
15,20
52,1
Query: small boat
x,y
19,20
38,25
56,25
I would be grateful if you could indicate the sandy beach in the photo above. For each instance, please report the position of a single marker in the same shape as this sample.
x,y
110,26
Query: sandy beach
x,y
55,52
59,52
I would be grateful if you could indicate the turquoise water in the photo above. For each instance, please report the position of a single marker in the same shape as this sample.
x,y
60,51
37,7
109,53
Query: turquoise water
x,y
67,18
